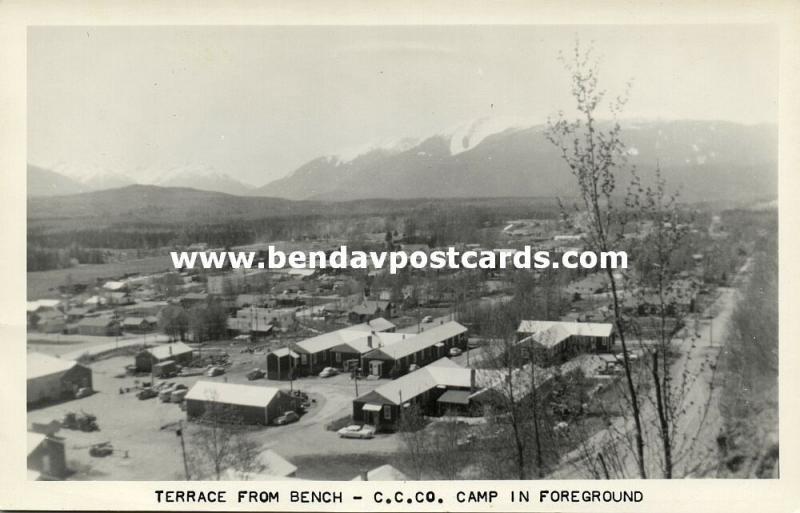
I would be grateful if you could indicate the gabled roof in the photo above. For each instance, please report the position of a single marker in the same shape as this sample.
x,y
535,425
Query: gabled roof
x,y
552,336
101,321
79,310
42,303
134,321
579,329
51,315
34,441
383,473
442,372
285,351
166,351
45,365
420,341
370,306
275,465
326,341
378,324
229,393
114,285
361,344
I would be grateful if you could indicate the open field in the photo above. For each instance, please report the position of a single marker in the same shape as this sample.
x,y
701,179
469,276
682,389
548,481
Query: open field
x,y
44,284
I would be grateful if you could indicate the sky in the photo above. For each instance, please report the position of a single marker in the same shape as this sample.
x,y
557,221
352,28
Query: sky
x,y
258,102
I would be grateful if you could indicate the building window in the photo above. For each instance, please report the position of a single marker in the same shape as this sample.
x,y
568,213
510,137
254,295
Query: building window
x,y
338,357
303,359
387,412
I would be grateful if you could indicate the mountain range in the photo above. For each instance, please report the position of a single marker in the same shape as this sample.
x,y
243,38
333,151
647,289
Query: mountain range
x,y
489,157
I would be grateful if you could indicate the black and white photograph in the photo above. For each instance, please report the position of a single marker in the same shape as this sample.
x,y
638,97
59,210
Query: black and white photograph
x,y
657,141
399,257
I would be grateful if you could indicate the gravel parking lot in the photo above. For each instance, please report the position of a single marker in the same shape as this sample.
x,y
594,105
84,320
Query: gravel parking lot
x,y
143,432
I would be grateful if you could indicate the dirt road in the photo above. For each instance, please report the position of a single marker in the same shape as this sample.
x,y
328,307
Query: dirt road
x,y
698,420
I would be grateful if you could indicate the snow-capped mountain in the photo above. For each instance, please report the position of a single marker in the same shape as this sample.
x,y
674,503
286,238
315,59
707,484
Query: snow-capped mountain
x,y
467,136
198,177
496,157
64,179
44,182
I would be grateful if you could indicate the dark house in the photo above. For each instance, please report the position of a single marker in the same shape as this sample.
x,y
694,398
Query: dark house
x,y
104,326
250,404
420,349
139,324
51,378
436,388
177,352
316,352
369,309
555,342
281,363
46,457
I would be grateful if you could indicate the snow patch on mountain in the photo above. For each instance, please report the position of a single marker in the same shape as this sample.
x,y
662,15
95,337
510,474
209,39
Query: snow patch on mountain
x,y
467,136
389,145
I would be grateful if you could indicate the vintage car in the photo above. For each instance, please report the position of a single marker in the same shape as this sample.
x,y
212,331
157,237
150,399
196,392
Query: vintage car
x,y
357,431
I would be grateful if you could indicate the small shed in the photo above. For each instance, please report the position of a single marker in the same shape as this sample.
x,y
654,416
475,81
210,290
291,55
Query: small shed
x,y
165,369
139,324
177,352
281,362
46,457
105,326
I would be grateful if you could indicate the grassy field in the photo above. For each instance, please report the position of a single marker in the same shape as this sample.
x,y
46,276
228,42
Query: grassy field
x,y
43,284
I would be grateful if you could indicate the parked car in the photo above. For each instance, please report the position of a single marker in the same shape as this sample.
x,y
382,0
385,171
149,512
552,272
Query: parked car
x,y
287,418
255,374
101,450
327,372
164,394
215,371
178,396
427,319
82,421
146,393
455,351
631,357
356,431
83,392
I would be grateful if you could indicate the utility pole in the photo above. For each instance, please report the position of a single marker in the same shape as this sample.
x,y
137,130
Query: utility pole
x,y
711,330
179,432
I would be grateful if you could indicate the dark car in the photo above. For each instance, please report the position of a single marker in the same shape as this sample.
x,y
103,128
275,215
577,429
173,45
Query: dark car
x,y
255,374
287,418
101,450
146,393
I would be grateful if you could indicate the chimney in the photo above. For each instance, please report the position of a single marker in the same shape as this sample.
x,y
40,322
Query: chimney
x,y
369,341
364,475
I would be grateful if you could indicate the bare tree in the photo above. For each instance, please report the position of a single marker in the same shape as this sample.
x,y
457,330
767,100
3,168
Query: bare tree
x,y
411,427
595,154
219,443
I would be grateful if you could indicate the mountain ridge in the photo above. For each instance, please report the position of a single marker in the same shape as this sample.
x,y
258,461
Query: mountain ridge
x,y
487,157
